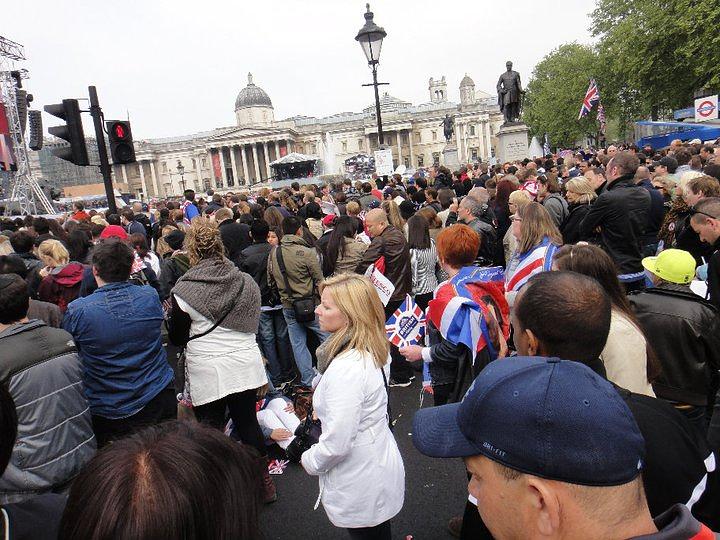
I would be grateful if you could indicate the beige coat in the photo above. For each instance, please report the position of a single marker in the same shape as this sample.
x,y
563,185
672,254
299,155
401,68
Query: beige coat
x,y
354,249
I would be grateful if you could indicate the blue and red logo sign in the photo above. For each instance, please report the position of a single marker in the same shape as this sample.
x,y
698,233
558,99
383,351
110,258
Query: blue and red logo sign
x,y
706,108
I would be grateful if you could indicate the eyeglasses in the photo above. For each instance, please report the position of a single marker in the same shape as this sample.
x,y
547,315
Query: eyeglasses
x,y
516,218
693,212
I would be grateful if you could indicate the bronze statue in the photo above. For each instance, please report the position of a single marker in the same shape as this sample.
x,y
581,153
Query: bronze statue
x,y
447,125
509,92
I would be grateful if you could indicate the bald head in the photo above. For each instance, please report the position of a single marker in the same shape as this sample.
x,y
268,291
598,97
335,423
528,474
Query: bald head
x,y
376,221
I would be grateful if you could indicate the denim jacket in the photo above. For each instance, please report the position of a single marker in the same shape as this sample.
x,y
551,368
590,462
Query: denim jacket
x,y
117,332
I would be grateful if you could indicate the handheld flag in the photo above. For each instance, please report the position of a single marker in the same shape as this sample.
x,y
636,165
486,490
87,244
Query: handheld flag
x,y
407,325
592,96
601,117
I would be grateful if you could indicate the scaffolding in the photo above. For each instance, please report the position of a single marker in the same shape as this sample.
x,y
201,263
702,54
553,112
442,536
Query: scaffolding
x,y
25,193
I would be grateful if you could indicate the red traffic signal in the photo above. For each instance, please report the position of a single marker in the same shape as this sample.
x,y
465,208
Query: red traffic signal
x,y
122,149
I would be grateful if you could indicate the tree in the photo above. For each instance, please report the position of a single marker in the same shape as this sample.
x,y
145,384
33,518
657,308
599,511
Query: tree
x,y
656,53
555,93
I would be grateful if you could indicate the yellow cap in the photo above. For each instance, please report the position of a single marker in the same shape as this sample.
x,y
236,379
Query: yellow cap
x,y
673,265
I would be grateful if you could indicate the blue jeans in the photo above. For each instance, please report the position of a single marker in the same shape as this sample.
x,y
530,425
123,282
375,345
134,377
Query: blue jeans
x,y
275,345
298,339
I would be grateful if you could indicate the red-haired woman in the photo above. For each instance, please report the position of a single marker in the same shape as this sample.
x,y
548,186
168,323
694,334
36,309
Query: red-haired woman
x,y
467,320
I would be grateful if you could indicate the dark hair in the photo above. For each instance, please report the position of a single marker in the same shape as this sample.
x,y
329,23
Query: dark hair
x,y
594,262
22,242
8,427
290,225
175,480
312,211
79,245
418,233
345,227
682,156
445,198
113,259
366,187
14,298
189,194
259,229
711,169
139,242
12,264
568,312
113,219
96,229
41,225
128,214
79,205
295,186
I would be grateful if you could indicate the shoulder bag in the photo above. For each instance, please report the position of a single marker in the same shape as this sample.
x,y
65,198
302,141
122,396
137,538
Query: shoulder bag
x,y
304,308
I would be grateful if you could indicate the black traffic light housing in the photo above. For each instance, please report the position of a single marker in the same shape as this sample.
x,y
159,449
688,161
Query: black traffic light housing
x,y
121,142
72,131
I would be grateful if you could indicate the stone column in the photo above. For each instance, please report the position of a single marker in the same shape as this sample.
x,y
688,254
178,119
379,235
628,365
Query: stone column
x,y
277,150
288,144
223,172
410,144
399,145
233,164
458,140
267,160
255,162
154,179
198,172
488,143
243,155
142,179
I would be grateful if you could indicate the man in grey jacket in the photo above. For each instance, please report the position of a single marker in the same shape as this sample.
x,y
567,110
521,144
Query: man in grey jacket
x,y
42,371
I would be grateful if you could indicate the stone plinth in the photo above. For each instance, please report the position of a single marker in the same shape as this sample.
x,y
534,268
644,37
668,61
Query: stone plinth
x,y
450,156
512,142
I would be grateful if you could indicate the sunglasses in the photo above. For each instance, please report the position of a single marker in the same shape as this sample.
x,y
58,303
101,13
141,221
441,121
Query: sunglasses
x,y
693,212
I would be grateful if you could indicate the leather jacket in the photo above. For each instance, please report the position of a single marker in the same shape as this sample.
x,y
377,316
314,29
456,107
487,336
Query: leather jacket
x,y
621,212
684,331
392,245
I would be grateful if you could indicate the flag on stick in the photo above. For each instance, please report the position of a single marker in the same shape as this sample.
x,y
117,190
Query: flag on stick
x,y
592,96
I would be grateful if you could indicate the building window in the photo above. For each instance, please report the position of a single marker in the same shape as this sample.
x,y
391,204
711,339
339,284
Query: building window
x,y
434,135
360,144
299,149
164,166
406,161
313,149
472,130
474,154
344,146
193,163
204,163
492,131
404,137
436,158
420,160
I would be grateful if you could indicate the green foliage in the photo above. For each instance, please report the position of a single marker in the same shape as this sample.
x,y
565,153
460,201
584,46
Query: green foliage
x,y
650,57
555,94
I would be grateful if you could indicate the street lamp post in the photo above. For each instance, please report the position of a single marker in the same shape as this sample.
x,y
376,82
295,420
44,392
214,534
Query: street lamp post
x,y
370,38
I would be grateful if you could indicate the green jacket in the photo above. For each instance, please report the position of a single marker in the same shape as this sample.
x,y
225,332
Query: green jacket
x,y
302,268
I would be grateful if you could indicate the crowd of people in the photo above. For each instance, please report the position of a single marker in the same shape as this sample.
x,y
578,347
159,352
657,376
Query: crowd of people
x,y
572,348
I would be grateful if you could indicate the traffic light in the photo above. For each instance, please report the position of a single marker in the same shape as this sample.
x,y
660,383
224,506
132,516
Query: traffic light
x,y
72,131
121,143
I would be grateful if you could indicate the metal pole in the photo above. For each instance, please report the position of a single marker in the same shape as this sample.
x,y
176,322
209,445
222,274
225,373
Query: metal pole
x,y
381,139
96,113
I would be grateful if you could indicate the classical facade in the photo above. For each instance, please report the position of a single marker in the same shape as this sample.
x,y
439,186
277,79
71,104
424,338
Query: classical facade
x,y
231,158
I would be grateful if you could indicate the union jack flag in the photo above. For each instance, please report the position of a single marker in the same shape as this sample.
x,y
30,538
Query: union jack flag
x,y
407,325
601,117
592,96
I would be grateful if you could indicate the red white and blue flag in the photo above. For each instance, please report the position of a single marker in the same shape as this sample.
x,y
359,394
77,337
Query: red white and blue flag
x,y
592,96
601,118
538,259
407,325
460,306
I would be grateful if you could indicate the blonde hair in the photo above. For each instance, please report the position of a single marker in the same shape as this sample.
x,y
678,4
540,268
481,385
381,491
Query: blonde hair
x,y
581,186
393,213
519,198
5,246
686,177
352,208
203,241
536,224
54,252
364,330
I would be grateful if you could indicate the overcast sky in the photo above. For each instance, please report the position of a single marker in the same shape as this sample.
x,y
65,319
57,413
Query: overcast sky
x,y
176,67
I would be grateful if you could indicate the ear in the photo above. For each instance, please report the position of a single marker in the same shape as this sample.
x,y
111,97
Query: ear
x,y
533,344
545,505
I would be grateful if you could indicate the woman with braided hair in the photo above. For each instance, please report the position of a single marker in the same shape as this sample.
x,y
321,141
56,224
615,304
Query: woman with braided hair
x,y
215,316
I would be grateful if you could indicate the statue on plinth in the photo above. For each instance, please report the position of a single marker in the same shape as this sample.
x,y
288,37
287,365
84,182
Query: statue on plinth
x,y
447,125
509,92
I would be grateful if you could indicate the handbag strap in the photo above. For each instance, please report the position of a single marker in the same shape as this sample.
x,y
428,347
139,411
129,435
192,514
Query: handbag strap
x,y
283,270
215,325
387,389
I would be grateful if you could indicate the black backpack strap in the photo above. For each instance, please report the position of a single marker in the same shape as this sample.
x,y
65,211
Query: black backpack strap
x,y
283,270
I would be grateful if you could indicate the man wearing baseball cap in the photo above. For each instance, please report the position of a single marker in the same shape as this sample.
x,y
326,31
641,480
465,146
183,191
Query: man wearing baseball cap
x,y
684,331
552,451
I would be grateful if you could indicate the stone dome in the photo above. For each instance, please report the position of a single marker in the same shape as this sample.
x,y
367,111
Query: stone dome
x,y
252,96
467,81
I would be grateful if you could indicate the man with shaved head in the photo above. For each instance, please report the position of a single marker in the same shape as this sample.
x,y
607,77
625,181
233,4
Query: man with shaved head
x,y
389,244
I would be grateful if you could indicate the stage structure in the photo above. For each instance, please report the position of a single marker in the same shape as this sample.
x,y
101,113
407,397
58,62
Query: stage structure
x,y
25,193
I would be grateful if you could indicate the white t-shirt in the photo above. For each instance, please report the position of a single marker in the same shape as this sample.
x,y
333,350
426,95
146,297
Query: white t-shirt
x,y
221,363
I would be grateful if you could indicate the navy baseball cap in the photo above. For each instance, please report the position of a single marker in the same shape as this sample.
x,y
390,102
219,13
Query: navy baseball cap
x,y
547,417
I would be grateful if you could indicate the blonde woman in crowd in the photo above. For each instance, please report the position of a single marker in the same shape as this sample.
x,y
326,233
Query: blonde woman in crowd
x,y
580,195
362,477
61,278
517,200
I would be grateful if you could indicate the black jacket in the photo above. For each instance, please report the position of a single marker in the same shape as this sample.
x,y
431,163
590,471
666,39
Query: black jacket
x,y
255,262
713,278
621,212
235,238
684,331
570,228
656,214
392,245
687,239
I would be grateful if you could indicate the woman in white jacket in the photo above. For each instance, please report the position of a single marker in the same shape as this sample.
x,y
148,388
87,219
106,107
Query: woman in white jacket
x,y
362,478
